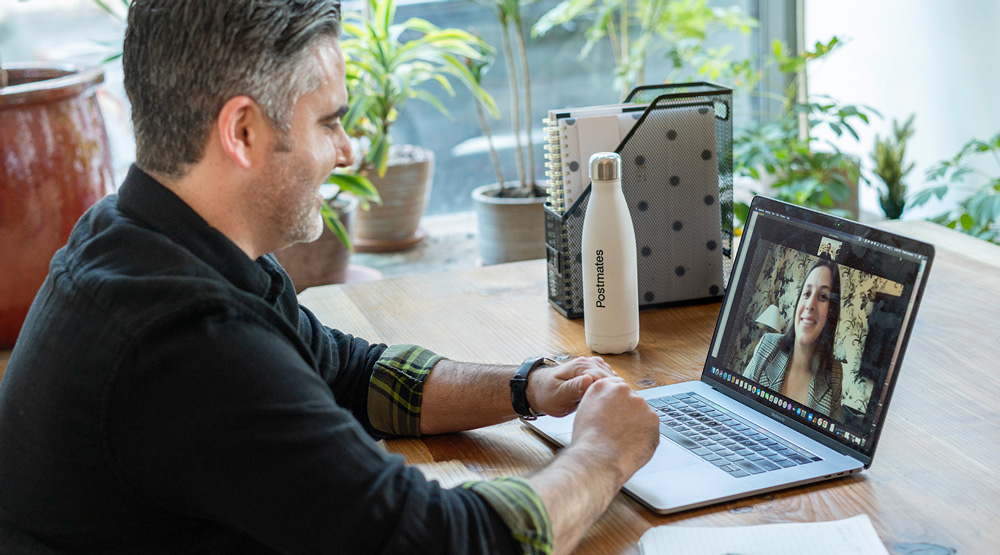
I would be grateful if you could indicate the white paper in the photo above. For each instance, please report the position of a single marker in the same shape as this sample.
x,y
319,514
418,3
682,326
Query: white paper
x,y
850,536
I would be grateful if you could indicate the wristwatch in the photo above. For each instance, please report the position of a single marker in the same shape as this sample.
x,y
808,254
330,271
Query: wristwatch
x,y
519,387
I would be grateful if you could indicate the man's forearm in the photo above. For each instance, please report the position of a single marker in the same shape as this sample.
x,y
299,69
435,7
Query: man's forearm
x,y
576,488
463,396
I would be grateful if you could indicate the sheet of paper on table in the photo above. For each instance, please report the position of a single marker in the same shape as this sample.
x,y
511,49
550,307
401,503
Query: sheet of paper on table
x,y
850,536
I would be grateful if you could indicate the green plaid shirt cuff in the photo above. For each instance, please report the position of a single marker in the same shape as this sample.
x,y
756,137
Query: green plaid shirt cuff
x,y
396,389
521,509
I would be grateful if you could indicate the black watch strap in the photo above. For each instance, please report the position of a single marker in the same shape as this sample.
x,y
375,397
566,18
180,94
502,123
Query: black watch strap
x,y
519,387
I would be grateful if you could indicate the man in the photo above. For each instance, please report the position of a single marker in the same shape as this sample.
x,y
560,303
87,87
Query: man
x,y
169,395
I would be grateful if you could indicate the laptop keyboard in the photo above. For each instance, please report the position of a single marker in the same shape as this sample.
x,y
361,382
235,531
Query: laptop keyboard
x,y
733,444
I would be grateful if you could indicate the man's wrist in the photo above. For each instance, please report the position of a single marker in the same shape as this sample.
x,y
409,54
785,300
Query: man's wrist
x,y
522,400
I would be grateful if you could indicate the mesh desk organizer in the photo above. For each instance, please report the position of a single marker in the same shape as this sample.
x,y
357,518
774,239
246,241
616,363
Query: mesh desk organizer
x,y
677,177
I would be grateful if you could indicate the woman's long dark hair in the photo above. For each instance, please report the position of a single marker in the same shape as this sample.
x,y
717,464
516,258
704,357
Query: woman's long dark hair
x,y
824,344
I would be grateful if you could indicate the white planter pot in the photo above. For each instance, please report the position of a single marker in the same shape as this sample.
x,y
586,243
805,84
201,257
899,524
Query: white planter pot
x,y
510,229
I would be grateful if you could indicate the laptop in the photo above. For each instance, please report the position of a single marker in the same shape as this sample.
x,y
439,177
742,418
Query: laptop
x,y
744,428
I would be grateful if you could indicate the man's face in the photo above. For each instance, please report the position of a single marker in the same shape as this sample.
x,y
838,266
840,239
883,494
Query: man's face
x,y
286,193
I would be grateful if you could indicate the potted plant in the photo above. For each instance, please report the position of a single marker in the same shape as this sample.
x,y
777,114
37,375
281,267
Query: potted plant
x,y
979,213
389,63
890,166
510,214
52,127
640,29
785,157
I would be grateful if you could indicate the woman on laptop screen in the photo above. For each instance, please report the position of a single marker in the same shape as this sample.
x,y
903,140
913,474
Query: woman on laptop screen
x,y
799,363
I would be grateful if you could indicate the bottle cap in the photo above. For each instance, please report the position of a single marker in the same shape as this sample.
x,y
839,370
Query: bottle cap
x,y
605,166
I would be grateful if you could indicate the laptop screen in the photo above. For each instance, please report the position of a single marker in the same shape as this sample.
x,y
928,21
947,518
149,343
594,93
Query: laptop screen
x,y
816,318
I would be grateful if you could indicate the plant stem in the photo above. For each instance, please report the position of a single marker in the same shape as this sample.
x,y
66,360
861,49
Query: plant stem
x,y
515,104
485,125
526,83
3,75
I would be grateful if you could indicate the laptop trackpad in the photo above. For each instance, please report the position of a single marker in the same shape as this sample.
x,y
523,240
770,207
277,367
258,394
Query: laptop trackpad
x,y
668,455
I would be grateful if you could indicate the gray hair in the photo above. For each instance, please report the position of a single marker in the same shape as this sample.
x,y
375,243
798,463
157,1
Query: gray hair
x,y
184,59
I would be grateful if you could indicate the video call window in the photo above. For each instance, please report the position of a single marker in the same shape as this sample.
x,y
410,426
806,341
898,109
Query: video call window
x,y
781,288
849,323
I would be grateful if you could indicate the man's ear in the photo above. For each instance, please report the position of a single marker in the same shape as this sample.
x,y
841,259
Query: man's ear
x,y
240,128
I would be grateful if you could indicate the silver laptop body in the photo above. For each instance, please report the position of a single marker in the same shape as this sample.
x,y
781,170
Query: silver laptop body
x,y
774,441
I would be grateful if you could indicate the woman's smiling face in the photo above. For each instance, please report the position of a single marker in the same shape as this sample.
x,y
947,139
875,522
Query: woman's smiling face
x,y
813,306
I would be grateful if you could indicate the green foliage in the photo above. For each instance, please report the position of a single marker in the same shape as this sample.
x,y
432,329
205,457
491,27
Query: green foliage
x,y
786,150
356,185
109,6
891,167
979,213
640,29
384,71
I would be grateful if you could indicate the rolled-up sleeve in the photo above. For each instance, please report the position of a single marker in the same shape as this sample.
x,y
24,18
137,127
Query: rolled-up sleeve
x,y
396,389
395,393
520,507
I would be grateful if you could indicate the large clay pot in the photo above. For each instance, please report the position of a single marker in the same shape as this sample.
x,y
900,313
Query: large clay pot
x,y
510,228
405,188
56,163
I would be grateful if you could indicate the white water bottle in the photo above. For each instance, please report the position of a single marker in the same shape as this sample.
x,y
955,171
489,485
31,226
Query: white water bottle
x,y
610,279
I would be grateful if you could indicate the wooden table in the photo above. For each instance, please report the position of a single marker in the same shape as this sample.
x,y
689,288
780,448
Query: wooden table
x,y
933,487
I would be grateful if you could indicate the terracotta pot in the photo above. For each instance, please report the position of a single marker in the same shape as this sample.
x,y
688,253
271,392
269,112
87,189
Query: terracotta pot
x,y
510,229
325,260
56,164
395,224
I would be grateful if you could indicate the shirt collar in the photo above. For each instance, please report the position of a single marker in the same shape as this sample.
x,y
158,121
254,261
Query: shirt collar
x,y
146,199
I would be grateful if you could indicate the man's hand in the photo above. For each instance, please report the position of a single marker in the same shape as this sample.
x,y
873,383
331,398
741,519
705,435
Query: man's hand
x,y
618,425
557,390
614,434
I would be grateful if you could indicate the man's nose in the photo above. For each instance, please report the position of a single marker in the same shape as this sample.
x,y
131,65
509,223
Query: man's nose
x,y
345,154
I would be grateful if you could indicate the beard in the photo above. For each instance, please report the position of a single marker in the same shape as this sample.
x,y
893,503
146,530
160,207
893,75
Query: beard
x,y
285,198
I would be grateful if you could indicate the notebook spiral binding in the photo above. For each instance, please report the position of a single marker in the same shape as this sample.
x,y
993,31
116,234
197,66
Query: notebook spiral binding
x,y
556,236
553,166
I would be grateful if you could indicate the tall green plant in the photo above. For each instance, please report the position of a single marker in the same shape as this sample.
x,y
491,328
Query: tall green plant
x,y
640,29
478,69
891,167
384,71
508,14
978,215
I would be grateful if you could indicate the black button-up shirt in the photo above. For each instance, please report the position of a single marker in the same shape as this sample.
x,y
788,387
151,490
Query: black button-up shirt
x,y
169,395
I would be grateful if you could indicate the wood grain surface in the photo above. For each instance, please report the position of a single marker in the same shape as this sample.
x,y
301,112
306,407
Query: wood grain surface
x,y
932,488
